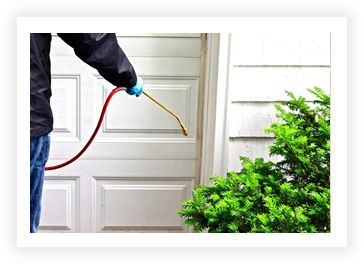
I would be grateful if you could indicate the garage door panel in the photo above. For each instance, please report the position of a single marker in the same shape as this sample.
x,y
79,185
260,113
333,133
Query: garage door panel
x,y
156,121
133,117
135,205
60,205
144,46
143,149
167,66
146,66
142,169
64,103
160,47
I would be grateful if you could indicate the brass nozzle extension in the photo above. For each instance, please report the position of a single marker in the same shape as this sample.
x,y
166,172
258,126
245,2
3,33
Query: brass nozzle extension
x,y
184,129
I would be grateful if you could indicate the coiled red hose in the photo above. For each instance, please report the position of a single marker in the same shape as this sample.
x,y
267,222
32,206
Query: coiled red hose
x,y
114,91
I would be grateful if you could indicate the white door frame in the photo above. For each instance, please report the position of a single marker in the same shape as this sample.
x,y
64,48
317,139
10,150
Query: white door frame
x,y
215,113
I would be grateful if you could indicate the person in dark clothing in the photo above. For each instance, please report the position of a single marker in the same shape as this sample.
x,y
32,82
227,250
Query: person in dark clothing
x,y
99,50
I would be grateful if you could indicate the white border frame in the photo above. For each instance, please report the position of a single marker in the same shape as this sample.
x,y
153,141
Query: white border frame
x,y
224,26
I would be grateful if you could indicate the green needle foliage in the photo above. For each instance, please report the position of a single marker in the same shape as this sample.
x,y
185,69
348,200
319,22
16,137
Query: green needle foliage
x,y
292,195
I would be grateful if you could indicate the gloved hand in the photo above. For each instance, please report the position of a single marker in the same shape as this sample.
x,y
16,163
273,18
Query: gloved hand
x,y
137,88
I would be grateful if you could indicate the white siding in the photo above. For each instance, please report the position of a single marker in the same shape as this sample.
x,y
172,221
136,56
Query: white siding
x,y
262,67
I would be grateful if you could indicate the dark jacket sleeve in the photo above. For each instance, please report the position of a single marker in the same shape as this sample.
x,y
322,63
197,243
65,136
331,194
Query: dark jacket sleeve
x,y
102,52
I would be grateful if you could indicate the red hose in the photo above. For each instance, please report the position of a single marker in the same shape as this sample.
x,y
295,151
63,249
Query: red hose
x,y
114,91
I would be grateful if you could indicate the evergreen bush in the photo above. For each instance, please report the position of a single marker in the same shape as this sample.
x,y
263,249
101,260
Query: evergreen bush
x,y
292,195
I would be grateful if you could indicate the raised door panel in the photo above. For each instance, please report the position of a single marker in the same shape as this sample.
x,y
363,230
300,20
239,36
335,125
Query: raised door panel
x,y
60,205
137,205
65,106
131,117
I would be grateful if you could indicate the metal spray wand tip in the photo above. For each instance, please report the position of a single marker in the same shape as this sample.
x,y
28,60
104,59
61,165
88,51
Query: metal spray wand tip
x,y
184,130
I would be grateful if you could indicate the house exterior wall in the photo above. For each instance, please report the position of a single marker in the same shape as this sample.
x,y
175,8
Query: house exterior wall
x,y
262,66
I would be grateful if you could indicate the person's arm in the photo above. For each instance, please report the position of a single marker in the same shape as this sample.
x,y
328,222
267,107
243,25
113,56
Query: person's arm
x,y
102,52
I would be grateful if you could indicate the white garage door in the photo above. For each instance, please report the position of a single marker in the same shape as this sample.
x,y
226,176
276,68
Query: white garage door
x,y
140,167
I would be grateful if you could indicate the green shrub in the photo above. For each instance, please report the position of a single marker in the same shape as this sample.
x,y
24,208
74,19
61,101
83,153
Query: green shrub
x,y
292,195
